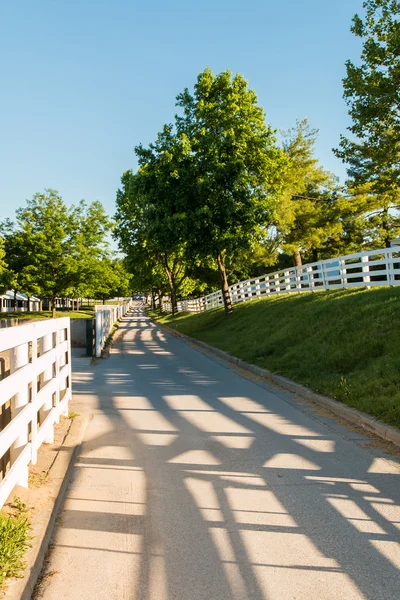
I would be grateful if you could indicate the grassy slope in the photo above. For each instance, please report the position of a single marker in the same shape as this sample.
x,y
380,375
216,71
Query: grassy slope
x,y
344,344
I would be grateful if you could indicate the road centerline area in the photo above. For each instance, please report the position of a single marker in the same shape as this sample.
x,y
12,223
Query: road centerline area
x,y
194,483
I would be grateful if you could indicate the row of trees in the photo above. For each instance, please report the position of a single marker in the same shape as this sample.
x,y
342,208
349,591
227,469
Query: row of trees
x,y
216,192
52,250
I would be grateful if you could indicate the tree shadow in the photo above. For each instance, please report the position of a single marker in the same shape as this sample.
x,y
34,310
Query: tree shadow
x,y
205,485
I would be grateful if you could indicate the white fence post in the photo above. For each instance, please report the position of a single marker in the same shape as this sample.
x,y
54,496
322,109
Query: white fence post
x,y
310,274
287,280
99,332
365,269
46,344
19,357
277,286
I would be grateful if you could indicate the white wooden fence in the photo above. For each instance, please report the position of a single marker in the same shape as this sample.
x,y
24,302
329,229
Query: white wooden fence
x,y
39,389
364,269
106,317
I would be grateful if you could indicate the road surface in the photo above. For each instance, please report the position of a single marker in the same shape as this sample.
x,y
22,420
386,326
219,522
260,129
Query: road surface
x,y
195,483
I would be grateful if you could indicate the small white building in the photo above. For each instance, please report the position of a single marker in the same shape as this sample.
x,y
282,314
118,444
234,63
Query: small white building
x,y
24,304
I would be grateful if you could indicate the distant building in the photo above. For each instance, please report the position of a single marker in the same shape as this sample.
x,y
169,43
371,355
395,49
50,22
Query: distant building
x,y
22,300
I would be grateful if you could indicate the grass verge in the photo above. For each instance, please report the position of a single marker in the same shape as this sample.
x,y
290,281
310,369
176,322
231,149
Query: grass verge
x,y
47,314
344,344
14,540
111,334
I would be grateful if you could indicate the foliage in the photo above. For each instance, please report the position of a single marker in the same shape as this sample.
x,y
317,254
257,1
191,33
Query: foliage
x,y
110,279
372,93
52,249
306,216
14,540
232,169
154,252
3,266
18,249
368,219
340,343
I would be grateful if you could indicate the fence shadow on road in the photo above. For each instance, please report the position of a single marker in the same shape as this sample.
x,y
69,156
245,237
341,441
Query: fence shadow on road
x,y
234,492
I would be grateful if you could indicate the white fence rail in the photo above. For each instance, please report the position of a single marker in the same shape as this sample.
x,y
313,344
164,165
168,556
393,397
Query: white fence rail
x,y
38,387
106,316
364,269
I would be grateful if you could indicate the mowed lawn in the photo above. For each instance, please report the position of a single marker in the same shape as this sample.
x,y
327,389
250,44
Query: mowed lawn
x,y
46,314
344,344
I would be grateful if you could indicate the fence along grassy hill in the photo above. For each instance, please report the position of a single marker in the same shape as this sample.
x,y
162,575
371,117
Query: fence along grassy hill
x,y
342,343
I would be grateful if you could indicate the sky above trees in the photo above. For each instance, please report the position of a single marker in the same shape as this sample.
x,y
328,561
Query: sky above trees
x,y
84,82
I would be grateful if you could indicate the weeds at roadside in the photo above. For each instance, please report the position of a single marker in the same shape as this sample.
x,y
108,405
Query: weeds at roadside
x,y
36,480
14,539
72,415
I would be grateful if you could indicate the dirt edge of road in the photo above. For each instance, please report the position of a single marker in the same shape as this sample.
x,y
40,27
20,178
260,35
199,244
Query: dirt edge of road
x,y
44,519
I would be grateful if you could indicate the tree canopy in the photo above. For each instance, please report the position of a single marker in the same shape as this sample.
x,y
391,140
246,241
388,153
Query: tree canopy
x,y
372,94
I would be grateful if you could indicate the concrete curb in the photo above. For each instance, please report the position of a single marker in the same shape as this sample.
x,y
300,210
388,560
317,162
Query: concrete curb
x,y
387,433
43,523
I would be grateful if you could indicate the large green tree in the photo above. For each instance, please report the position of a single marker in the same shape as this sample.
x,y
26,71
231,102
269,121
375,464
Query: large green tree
x,y
372,93
18,250
61,242
147,230
306,216
369,219
3,266
230,170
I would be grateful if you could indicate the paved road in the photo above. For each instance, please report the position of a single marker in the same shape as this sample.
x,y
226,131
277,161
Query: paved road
x,y
195,483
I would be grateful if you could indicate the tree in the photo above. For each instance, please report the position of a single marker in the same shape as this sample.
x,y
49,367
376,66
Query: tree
x,y
230,170
18,249
372,93
91,244
148,233
110,280
60,242
306,216
369,220
3,266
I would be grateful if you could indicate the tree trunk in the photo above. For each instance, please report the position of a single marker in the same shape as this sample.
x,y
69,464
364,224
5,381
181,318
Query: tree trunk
x,y
53,307
171,281
29,303
160,295
386,228
224,283
15,302
40,305
297,262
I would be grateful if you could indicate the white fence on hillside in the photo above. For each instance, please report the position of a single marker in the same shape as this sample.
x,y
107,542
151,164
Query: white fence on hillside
x,y
364,269
106,316
37,387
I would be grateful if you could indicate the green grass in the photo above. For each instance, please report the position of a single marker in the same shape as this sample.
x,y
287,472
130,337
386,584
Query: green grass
x,y
14,540
344,344
46,314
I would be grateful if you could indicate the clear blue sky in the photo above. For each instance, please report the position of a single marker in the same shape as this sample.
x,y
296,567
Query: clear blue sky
x,y
84,81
